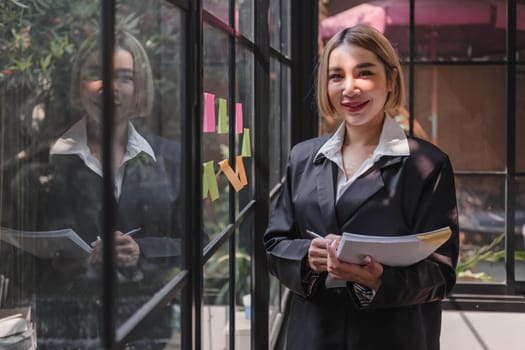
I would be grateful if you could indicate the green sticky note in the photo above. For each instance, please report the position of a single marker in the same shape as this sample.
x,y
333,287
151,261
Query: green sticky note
x,y
209,182
246,144
222,128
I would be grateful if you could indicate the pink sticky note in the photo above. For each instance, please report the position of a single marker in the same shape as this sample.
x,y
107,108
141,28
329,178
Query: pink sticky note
x,y
208,120
238,118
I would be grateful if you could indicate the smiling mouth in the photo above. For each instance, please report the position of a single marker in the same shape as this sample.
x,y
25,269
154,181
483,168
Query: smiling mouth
x,y
355,106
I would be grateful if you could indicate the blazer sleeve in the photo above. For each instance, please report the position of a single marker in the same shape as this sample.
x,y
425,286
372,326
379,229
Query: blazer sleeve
x,y
433,278
285,250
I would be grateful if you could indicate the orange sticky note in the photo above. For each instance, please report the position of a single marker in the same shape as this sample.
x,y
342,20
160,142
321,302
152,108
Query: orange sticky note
x,y
238,118
238,178
208,120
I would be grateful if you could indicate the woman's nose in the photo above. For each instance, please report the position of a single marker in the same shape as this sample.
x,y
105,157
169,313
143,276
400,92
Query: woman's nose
x,y
350,87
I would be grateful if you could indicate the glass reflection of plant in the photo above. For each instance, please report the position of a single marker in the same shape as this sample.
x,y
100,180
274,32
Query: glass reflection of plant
x,y
38,41
217,281
467,265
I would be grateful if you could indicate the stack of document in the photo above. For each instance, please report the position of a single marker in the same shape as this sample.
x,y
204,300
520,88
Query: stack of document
x,y
16,329
389,250
46,244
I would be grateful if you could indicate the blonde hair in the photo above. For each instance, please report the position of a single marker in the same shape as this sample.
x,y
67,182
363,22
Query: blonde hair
x,y
369,39
143,77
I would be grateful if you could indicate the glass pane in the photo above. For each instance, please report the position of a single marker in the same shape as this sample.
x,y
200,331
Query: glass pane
x,y
39,192
243,263
481,205
275,122
446,30
151,192
520,118
452,108
51,173
215,141
286,24
519,238
219,8
244,16
216,307
245,96
275,24
458,30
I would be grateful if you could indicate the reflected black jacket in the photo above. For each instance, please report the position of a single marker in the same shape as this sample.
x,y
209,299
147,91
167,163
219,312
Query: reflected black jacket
x,y
398,195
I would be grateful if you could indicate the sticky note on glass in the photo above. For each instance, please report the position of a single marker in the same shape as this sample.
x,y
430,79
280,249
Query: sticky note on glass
x,y
222,128
238,118
238,178
208,119
246,144
209,181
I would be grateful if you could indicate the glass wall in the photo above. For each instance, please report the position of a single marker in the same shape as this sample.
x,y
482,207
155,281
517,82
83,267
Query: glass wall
x,y
145,237
54,215
461,100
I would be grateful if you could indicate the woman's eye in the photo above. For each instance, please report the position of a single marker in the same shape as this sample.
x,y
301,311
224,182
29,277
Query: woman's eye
x,y
125,77
365,73
92,75
335,76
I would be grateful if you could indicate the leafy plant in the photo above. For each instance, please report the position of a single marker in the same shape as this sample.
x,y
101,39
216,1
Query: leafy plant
x,y
465,266
218,269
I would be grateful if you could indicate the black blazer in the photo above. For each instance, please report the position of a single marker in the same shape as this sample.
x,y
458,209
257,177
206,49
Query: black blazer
x,y
398,195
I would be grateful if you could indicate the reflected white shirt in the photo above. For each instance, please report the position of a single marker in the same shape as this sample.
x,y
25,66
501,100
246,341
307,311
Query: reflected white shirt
x,y
74,141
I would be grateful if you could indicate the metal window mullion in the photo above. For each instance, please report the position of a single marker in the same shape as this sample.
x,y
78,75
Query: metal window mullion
x,y
510,101
259,285
192,179
411,77
108,200
232,151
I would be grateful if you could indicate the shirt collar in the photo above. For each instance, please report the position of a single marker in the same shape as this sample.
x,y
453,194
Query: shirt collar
x,y
392,142
74,141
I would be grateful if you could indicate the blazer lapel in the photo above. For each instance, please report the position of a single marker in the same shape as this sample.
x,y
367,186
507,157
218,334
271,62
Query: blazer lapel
x,y
362,189
326,182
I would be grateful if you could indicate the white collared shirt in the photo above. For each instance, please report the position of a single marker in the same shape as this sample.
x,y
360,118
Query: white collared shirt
x,y
74,141
392,142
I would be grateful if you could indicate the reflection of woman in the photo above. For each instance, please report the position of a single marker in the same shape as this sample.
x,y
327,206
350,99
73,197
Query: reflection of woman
x,y
368,178
146,193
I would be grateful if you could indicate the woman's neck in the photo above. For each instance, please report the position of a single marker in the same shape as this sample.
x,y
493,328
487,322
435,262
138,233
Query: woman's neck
x,y
364,135
94,139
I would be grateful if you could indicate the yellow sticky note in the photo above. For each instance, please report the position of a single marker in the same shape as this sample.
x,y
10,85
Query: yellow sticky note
x,y
209,181
222,128
246,144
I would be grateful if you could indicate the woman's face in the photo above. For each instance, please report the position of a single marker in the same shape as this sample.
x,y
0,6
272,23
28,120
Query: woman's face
x,y
357,85
123,87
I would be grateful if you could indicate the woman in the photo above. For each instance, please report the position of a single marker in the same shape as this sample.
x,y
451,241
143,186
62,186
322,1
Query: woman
x,y
367,178
146,198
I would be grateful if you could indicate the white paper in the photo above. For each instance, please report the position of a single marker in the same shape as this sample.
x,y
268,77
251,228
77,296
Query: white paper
x,y
388,250
46,244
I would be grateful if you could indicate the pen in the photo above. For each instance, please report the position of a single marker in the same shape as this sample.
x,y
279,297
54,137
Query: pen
x,y
129,233
314,235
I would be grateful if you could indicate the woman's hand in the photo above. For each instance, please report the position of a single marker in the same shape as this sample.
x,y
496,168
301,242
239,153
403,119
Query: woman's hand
x,y
127,251
317,253
368,274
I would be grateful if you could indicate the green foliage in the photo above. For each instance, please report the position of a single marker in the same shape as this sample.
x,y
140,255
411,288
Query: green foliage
x,y
489,253
218,269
